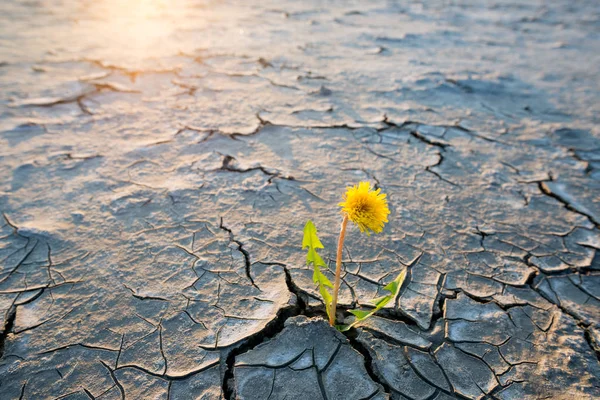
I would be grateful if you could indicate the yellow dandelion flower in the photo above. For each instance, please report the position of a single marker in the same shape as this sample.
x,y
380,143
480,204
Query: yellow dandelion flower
x,y
367,208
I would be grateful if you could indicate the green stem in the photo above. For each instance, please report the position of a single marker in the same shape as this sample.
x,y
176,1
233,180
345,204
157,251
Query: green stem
x,y
338,271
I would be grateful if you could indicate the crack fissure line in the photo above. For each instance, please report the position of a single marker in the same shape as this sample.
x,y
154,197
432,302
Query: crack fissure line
x,y
241,250
548,192
9,322
271,330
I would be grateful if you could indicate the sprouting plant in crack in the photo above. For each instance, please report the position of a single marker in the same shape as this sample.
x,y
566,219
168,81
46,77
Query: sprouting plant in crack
x,y
368,209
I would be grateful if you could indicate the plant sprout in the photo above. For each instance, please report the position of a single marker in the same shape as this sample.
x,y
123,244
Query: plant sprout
x,y
368,209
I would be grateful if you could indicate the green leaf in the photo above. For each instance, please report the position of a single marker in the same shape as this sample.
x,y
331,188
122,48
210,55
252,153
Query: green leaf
x,y
313,257
321,278
380,302
327,299
325,294
360,314
310,238
317,275
311,242
393,287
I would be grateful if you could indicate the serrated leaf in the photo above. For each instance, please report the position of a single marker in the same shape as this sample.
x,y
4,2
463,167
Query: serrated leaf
x,y
321,278
327,299
313,257
316,273
311,241
310,238
325,294
325,281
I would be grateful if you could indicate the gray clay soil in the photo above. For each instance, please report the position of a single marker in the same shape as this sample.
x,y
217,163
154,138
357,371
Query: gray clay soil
x,y
159,159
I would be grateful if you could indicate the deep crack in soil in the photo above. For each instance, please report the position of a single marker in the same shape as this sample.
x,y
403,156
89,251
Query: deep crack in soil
x,y
9,321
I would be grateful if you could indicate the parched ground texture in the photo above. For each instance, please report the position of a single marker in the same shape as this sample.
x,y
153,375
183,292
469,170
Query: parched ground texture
x,y
158,160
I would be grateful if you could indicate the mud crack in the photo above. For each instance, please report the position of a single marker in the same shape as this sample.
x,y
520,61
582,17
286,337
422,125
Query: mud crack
x,y
241,249
271,330
568,205
9,322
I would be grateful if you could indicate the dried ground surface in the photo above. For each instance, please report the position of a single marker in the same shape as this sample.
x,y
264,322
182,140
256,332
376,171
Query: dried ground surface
x,y
159,159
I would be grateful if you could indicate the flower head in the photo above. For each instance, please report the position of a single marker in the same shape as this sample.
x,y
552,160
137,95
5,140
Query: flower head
x,y
367,208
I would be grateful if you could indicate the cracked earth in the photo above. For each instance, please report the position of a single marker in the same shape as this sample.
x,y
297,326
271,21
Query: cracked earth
x,y
159,160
